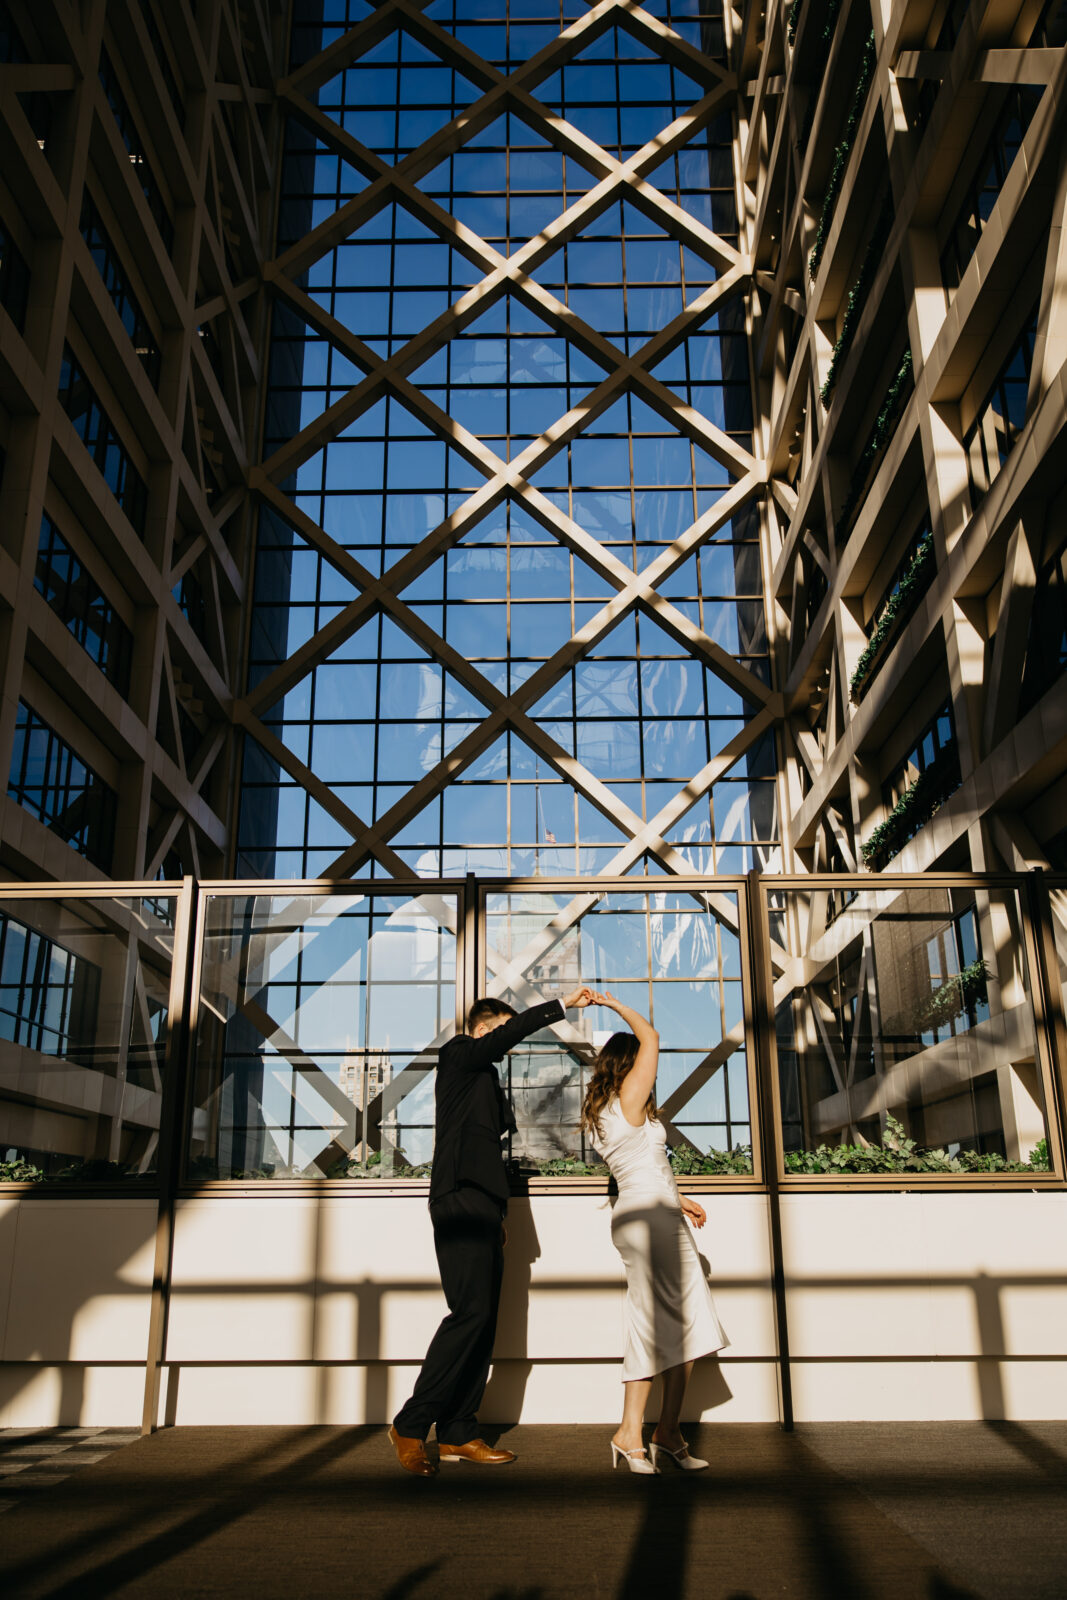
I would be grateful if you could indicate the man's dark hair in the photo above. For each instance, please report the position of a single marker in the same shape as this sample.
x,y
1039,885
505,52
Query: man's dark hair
x,y
485,1009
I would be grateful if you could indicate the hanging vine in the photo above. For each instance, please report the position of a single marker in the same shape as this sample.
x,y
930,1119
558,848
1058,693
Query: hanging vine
x,y
842,152
900,602
857,299
914,809
883,427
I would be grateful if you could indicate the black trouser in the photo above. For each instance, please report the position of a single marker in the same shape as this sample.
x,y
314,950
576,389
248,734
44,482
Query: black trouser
x,y
467,1235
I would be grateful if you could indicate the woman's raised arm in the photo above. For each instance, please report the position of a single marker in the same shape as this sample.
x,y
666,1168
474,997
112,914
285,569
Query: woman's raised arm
x,y
639,1081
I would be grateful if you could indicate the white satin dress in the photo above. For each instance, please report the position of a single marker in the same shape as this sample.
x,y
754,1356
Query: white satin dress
x,y
669,1313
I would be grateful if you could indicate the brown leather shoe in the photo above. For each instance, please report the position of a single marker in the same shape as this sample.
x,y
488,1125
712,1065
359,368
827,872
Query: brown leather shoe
x,y
476,1450
411,1453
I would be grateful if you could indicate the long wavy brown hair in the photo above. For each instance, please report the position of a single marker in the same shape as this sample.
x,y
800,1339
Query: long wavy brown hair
x,y
610,1068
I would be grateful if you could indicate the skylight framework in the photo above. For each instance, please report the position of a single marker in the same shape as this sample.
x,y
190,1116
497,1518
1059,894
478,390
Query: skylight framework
x,y
509,602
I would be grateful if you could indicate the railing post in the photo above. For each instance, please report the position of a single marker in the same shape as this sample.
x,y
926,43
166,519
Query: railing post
x,y
177,1061
1049,1012
768,1123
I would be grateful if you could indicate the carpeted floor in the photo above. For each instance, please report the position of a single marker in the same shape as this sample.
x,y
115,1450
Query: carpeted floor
x,y
849,1511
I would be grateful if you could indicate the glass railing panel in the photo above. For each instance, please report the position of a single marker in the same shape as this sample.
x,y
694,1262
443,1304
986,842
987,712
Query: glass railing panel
x,y
319,1022
905,1033
673,955
84,1007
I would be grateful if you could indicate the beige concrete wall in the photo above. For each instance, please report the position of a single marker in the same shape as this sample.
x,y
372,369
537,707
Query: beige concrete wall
x,y
243,1292
75,1284
927,1305
299,1310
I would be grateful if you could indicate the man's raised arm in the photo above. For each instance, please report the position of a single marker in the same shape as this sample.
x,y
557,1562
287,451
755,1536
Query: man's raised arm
x,y
494,1045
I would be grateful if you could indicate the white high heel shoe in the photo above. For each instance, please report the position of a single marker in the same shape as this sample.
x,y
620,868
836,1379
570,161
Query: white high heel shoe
x,y
681,1458
636,1460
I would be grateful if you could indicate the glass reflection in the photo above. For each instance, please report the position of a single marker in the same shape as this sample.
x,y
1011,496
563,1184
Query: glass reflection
x,y
663,953
905,1036
320,1021
84,1006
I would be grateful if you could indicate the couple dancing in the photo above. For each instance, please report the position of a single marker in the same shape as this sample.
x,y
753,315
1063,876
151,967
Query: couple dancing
x,y
670,1315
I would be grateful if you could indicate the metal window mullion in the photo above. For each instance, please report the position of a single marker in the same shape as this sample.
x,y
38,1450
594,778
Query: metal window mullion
x,y
767,1118
188,942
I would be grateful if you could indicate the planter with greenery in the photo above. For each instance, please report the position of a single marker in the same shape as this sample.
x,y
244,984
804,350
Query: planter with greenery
x,y
914,809
884,424
961,993
842,151
92,1171
898,1153
685,1162
19,1171
375,1168
901,604
690,1163
570,1167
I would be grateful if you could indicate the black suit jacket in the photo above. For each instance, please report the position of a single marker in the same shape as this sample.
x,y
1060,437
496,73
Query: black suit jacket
x,y
472,1110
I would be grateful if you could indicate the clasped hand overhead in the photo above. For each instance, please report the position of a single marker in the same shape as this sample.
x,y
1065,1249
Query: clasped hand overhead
x,y
578,999
585,995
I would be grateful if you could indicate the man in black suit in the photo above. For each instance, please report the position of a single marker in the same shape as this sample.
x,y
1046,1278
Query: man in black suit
x,y
468,1198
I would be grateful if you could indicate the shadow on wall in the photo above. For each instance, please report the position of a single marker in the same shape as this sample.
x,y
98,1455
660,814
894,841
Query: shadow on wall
x,y
52,1288
50,1285
505,1393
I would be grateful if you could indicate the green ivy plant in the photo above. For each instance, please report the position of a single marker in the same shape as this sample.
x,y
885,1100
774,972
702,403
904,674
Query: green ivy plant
x,y
842,152
914,809
685,1161
829,22
857,299
94,1171
899,1153
570,1167
968,988
884,424
690,1163
374,1167
912,586
19,1171
964,990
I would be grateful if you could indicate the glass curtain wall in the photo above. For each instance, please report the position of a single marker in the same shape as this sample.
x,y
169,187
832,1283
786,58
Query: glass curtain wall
x,y
905,1030
508,613
85,1005
508,609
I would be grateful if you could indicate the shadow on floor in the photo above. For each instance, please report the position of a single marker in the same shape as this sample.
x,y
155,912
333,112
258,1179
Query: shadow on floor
x,y
288,1513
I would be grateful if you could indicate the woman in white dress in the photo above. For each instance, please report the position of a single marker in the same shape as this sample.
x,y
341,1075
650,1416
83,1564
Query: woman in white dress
x,y
670,1315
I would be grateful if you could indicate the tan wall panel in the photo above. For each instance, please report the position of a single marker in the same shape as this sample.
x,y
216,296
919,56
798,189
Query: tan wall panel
x,y
1014,1249
934,1391
244,1278
868,1391
574,1391
837,1248
80,1281
304,1279
972,1275
878,1327
33,1395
